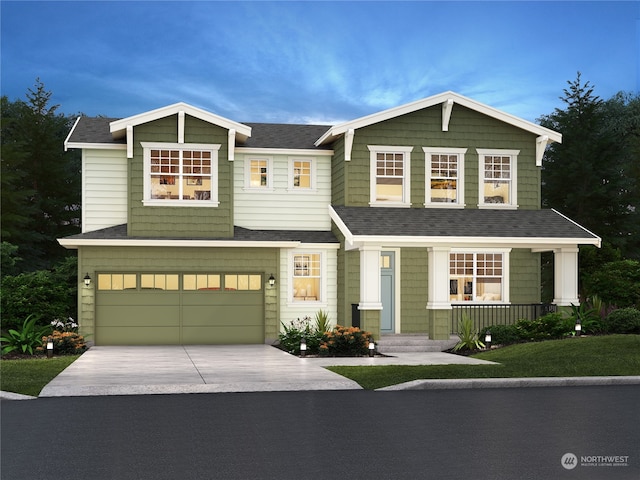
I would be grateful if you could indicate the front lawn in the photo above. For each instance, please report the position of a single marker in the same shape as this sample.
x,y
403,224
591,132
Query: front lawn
x,y
29,376
609,355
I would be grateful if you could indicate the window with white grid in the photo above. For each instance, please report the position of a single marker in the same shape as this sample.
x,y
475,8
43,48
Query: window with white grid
x,y
476,277
497,177
390,175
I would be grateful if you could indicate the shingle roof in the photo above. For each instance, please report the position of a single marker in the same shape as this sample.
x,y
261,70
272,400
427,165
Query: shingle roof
x,y
444,222
263,135
119,232
94,130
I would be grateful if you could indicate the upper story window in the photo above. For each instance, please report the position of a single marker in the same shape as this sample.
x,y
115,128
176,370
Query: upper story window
x,y
444,176
390,175
478,277
259,173
301,174
180,174
498,186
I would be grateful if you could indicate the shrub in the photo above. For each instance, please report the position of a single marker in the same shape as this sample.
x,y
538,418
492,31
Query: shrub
x,y
549,326
345,342
624,320
617,283
289,339
26,339
64,343
501,334
468,336
43,294
322,321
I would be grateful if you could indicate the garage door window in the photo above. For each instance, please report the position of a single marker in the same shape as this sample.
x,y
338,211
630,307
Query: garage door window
x,y
242,282
159,281
117,281
201,281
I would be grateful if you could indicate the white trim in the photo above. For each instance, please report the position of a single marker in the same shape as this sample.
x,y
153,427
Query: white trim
x,y
129,141
406,176
340,129
181,117
147,201
247,173
75,243
513,177
118,127
428,151
96,146
447,107
283,151
322,298
541,145
581,227
66,140
506,278
312,175
348,144
232,144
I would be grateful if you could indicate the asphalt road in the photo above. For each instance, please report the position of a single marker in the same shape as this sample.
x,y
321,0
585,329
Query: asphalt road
x,y
443,434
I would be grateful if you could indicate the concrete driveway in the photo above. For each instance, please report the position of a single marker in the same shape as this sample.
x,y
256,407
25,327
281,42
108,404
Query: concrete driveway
x,y
140,370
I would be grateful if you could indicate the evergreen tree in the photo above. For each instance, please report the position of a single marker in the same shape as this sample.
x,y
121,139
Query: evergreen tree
x,y
41,184
592,176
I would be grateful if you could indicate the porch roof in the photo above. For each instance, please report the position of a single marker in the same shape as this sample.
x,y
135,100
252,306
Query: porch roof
x,y
459,227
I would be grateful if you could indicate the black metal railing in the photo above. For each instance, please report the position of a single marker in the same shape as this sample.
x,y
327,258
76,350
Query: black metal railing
x,y
489,315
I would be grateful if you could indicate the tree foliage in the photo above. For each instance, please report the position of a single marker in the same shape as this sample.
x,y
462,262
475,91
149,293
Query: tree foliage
x,y
593,176
40,182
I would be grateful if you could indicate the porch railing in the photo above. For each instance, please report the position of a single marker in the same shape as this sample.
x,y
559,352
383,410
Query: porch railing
x,y
489,315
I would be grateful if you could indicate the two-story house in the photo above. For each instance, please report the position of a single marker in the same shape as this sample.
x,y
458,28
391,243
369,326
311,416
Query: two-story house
x,y
198,229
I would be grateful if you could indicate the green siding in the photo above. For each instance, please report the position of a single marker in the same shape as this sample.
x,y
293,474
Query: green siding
x,y
413,290
467,129
524,273
181,221
338,173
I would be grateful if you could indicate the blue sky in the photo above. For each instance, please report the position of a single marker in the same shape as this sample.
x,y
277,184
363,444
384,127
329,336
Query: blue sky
x,y
315,62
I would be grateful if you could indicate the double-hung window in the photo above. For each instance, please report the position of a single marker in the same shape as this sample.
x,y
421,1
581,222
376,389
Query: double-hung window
x,y
306,278
180,174
444,176
497,178
390,175
478,277
301,174
259,173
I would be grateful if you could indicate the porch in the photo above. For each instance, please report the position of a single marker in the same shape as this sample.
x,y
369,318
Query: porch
x,y
489,315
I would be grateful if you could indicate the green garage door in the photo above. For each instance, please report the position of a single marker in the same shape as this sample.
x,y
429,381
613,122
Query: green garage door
x,y
179,309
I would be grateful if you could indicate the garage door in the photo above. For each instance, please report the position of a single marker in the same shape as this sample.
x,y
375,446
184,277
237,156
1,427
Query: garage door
x,y
175,309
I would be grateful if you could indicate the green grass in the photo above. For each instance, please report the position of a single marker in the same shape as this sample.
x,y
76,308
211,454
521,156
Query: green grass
x,y
609,355
29,376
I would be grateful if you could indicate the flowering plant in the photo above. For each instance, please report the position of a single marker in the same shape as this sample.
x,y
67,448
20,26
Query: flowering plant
x,y
345,342
67,326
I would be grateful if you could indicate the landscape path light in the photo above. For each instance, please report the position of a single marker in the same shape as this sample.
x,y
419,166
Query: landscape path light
x,y
49,347
578,327
487,339
372,347
303,347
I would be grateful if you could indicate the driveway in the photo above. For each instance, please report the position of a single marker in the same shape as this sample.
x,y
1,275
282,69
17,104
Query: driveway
x,y
139,370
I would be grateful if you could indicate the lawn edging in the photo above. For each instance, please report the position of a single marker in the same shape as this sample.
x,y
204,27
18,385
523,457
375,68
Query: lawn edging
x,y
465,383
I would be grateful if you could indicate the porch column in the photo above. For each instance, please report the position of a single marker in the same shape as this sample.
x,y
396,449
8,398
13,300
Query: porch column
x,y
370,293
566,276
438,277
438,301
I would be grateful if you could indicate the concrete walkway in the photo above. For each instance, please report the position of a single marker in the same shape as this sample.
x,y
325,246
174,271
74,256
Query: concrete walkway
x,y
143,370
213,368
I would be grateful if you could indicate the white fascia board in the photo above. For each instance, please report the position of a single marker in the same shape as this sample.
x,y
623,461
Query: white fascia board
x,y
118,127
319,246
283,151
96,146
348,236
66,140
432,101
75,243
580,226
476,242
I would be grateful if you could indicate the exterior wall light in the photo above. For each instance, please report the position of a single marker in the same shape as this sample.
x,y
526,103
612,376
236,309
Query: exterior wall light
x,y
49,347
578,328
372,347
87,280
303,347
272,280
487,339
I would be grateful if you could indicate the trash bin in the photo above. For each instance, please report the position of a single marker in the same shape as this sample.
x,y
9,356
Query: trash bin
x,y
355,315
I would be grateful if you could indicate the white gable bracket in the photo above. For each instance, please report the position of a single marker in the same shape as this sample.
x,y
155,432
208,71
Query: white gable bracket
x,y
348,144
541,145
181,126
129,141
232,144
446,114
